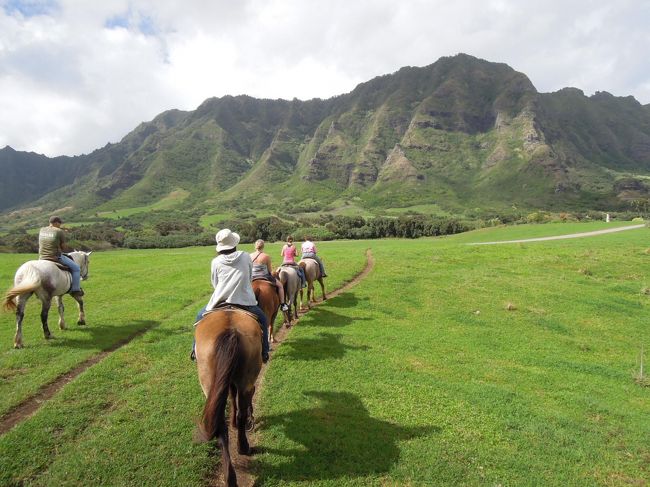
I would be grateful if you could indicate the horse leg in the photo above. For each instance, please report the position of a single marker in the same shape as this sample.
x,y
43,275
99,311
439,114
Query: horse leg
x,y
82,314
310,294
20,314
250,419
233,405
45,311
61,308
270,332
244,400
322,288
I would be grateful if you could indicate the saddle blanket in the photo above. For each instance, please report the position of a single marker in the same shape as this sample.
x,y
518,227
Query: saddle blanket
x,y
230,308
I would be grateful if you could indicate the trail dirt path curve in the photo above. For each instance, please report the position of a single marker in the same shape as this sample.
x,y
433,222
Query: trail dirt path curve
x,y
561,237
245,476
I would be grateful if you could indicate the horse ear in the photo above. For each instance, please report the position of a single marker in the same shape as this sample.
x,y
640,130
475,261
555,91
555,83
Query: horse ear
x,y
88,253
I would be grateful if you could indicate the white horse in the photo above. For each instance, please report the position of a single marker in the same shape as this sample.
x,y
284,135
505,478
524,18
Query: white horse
x,y
312,273
290,280
47,280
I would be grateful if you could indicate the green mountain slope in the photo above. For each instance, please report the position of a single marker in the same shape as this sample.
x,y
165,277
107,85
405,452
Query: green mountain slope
x,y
460,133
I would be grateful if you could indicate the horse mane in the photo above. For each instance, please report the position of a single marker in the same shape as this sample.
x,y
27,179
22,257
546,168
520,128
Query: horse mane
x,y
228,358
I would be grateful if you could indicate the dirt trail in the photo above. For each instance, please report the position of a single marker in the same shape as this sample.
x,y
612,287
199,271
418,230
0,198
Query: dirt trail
x,y
242,464
31,404
561,237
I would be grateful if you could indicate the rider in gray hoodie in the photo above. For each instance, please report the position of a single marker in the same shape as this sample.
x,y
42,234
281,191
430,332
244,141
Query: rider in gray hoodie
x,y
232,272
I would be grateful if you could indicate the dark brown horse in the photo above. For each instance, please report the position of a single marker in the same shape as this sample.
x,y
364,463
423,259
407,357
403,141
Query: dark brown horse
x,y
268,299
229,359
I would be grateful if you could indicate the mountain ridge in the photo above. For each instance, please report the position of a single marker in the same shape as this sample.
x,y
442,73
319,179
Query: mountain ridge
x,y
459,133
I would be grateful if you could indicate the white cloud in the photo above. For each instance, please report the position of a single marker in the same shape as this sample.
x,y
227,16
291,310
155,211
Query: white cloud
x,y
76,75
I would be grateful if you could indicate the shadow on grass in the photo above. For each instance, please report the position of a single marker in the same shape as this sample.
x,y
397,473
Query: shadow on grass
x,y
344,300
323,317
327,346
337,439
107,337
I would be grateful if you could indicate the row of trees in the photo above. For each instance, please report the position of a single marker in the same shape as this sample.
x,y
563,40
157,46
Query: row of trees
x,y
183,231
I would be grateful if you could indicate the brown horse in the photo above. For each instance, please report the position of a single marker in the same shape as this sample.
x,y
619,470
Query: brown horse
x,y
269,301
229,359
312,273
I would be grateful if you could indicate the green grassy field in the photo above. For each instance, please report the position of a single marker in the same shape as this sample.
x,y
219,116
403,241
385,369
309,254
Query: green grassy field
x,y
169,201
420,375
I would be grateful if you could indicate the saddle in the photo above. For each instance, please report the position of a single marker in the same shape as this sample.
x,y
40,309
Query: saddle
x,y
61,266
269,279
233,308
310,258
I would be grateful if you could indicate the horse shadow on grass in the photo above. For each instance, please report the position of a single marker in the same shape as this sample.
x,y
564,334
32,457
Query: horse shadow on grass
x,y
327,346
345,300
335,440
322,316
107,337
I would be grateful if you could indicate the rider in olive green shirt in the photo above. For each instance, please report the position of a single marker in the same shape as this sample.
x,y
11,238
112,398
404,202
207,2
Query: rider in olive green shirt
x,y
51,244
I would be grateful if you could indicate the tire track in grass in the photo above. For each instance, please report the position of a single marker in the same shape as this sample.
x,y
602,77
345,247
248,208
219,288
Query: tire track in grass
x,y
30,405
242,463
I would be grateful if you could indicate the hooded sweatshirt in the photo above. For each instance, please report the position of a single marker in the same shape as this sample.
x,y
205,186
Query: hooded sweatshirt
x,y
231,279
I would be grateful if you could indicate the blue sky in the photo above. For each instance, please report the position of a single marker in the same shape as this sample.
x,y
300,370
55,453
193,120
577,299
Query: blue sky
x,y
29,8
75,75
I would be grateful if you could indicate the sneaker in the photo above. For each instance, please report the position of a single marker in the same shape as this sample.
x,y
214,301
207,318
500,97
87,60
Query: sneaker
x,y
265,357
284,307
79,293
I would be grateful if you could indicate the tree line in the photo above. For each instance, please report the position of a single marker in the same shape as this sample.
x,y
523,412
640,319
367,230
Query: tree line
x,y
175,233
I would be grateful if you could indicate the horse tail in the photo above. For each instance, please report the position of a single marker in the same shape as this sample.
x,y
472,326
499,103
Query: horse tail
x,y
31,282
226,361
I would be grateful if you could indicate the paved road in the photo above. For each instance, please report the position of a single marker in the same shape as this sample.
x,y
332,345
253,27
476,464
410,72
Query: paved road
x,y
560,237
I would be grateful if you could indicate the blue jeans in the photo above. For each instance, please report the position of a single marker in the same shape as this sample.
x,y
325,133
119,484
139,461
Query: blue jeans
x,y
74,269
261,318
311,255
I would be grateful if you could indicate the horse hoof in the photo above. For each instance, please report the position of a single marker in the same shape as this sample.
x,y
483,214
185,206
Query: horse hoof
x,y
81,323
246,451
18,346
